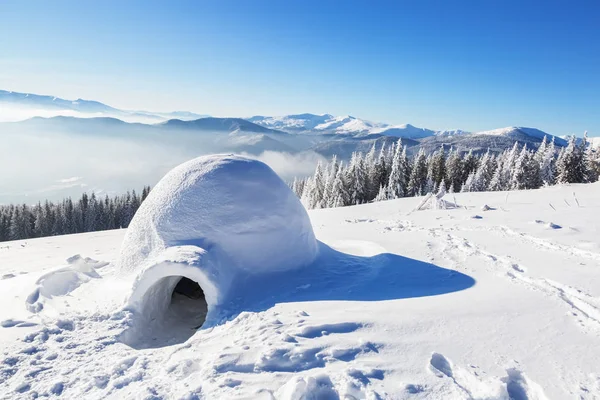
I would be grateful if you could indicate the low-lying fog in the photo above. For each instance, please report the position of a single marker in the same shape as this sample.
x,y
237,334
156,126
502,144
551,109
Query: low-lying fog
x,y
39,163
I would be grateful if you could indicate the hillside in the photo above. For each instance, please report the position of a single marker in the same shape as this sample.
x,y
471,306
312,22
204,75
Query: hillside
x,y
211,124
439,304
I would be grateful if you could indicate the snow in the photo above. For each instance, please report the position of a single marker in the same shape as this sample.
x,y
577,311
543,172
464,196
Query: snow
x,y
515,131
348,124
214,220
451,132
404,131
292,122
432,304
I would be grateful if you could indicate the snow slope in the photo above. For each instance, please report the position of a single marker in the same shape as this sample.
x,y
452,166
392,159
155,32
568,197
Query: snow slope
x,y
293,123
348,125
400,304
319,124
519,132
404,131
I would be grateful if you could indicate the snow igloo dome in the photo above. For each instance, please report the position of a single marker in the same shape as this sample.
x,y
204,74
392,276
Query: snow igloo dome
x,y
208,223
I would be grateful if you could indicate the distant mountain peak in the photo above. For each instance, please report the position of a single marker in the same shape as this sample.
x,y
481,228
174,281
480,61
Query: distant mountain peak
x,y
45,105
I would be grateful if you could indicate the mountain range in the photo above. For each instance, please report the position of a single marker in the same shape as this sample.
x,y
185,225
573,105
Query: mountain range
x,y
84,108
325,134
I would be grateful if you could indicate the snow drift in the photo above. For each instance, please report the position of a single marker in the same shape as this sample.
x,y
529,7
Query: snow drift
x,y
210,221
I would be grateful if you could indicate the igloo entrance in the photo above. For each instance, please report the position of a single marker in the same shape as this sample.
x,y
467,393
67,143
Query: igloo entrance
x,y
188,303
174,307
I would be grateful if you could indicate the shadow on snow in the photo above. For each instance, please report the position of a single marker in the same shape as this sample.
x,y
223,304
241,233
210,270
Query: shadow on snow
x,y
337,276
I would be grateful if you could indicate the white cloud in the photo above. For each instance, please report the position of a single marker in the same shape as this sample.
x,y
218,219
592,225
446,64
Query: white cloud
x,y
288,165
70,180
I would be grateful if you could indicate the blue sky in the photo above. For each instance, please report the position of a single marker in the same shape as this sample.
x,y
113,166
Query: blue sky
x,y
471,65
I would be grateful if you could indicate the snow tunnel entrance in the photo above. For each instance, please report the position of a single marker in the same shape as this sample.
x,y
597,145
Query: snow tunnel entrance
x,y
188,303
170,312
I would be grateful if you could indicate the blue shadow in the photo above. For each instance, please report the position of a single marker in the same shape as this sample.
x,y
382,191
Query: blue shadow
x,y
337,276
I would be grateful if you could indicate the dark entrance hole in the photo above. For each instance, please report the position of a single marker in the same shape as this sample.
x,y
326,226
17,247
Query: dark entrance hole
x,y
188,306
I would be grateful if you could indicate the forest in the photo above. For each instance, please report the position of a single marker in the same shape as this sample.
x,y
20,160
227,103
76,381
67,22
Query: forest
x,y
388,173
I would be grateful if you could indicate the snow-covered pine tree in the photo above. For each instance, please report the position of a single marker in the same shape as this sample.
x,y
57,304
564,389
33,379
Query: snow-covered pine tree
x,y
306,198
358,193
469,185
454,171
430,185
586,154
382,194
541,151
59,222
339,193
38,227
418,176
505,163
331,172
396,183
15,231
381,173
545,156
569,167
4,223
470,164
519,171
406,167
438,166
90,214
592,163
371,186
294,187
532,178
484,173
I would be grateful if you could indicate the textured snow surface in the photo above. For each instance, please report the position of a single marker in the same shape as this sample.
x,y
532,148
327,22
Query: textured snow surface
x,y
432,304
235,208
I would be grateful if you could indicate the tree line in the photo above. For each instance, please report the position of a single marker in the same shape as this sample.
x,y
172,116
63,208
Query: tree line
x,y
87,214
389,173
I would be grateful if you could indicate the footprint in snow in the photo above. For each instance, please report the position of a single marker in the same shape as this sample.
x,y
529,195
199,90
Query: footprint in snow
x,y
440,365
9,323
62,281
316,331
515,386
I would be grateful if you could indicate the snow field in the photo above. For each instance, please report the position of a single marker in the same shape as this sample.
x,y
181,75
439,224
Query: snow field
x,y
498,307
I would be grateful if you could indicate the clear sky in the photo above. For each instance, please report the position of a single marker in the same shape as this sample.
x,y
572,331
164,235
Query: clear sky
x,y
471,65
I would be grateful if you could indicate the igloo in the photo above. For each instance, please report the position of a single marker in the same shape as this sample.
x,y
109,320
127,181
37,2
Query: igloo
x,y
205,226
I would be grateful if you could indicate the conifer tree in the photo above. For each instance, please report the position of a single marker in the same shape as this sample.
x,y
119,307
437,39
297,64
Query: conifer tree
x,y
418,176
396,183
455,168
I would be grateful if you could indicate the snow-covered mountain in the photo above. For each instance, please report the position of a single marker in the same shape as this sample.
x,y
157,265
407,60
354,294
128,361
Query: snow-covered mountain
x,y
318,124
15,106
346,125
213,124
520,133
404,131
292,123
451,132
